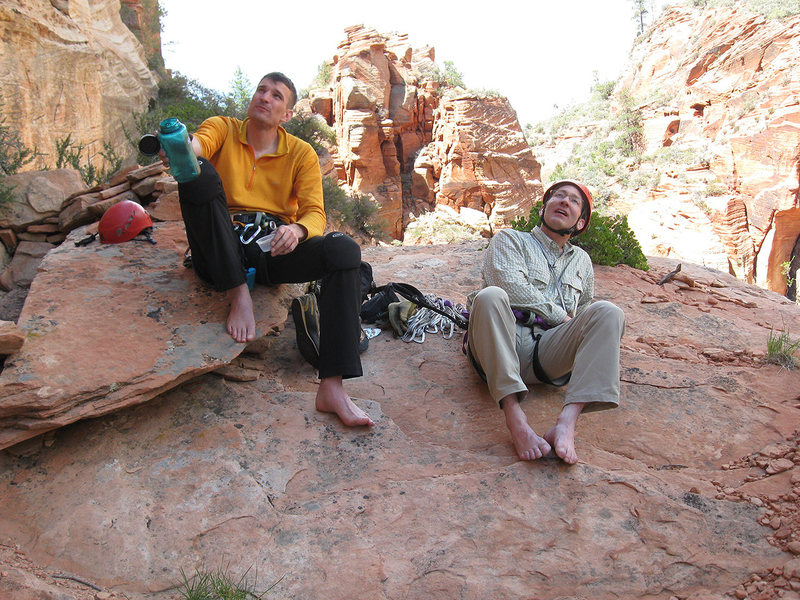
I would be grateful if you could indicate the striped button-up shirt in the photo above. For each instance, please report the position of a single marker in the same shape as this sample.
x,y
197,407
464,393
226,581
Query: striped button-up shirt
x,y
539,276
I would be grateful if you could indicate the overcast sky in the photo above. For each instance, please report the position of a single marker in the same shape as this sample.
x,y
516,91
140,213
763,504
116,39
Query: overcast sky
x,y
538,53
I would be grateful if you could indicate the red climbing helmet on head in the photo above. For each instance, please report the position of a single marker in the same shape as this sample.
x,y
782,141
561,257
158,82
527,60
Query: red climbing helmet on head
x,y
587,196
122,222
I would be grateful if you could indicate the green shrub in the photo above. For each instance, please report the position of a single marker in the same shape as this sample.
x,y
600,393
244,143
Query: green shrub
x,y
355,211
219,585
608,240
452,76
70,155
781,349
14,154
323,77
312,129
188,101
6,192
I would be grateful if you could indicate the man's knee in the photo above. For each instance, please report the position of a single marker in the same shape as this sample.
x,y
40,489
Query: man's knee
x,y
204,189
491,296
341,251
608,314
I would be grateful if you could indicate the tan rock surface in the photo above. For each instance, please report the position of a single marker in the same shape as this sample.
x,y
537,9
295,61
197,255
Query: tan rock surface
x,y
70,68
431,502
11,338
37,195
129,322
479,159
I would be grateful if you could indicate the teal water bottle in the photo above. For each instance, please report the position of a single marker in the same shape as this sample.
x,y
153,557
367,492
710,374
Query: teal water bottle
x,y
175,141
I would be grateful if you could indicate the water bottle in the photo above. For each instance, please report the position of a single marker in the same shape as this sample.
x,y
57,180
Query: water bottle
x,y
175,141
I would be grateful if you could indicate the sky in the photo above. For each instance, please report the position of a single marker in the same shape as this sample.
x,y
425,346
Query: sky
x,y
539,53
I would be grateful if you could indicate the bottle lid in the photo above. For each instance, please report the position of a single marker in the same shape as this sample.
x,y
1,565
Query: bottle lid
x,y
170,125
149,145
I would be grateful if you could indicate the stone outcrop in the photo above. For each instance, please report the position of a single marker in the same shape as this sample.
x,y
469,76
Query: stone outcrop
x,y
673,497
725,82
380,103
406,147
478,159
128,322
47,205
70,68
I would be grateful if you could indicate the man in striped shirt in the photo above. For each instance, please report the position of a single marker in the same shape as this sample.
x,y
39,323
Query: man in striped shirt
x,y
535,322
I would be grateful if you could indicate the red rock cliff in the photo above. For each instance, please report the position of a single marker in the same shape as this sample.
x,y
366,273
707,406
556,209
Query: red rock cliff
x,y
409,146
727,82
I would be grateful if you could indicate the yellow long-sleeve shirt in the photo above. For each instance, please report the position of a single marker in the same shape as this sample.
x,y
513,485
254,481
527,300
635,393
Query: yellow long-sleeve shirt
x,y
287,184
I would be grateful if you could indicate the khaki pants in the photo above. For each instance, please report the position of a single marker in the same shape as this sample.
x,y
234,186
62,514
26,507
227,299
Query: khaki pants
x,y
587,345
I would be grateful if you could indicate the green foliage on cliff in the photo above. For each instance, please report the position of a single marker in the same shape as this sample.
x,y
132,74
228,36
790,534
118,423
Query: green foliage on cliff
x,y
14,155
608,240
312,129
772,9
354,211
69,155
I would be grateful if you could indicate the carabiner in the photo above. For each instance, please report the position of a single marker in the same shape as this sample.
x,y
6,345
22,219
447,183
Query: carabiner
x,y
252,237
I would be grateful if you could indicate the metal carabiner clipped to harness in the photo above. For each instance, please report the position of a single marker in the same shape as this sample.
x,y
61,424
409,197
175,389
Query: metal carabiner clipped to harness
x,y
245,229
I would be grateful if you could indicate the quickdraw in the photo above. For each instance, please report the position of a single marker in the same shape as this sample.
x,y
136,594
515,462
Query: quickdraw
x,y
427,320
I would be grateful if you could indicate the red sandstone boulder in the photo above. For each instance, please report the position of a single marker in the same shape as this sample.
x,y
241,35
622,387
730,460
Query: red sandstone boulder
x,y
126,323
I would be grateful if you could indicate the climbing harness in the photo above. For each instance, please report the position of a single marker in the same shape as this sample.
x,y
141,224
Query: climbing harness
x,y
250,226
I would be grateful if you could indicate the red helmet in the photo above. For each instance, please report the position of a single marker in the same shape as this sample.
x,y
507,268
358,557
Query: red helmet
x,y
122,222
587,197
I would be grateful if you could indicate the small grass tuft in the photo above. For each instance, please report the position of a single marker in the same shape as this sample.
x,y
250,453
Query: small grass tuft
x,y
219,585
781,349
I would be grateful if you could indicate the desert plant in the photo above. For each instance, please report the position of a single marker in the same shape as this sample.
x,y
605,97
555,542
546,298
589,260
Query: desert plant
x,y
219,585
312,129
323,77
629,126
608,240
14,154
781,349
358,212
70,155
451,75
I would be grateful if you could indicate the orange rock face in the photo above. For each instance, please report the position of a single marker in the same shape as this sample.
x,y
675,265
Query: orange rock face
x,y
479,159
726,81
409,149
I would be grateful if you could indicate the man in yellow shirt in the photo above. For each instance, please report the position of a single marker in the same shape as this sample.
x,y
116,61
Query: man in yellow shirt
x,y
259,173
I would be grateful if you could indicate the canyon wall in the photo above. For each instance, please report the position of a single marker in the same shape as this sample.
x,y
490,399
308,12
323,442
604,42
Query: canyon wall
x,y
71,67
726,83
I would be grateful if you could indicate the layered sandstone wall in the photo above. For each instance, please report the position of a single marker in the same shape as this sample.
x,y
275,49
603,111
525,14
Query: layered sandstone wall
x,y
70,67
726,82
411,143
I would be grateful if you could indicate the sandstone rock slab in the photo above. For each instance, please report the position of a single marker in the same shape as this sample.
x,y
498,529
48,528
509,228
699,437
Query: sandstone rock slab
x,y
432,502
129,322
37,196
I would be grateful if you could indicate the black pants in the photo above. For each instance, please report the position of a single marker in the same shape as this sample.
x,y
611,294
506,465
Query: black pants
x,y
220,259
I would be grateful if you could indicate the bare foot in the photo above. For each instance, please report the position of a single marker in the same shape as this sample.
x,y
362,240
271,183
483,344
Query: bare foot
x,y
562,435
529,445
331,398
562,439
241,322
